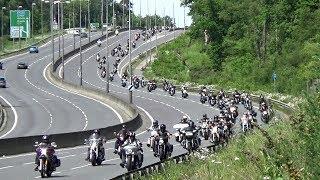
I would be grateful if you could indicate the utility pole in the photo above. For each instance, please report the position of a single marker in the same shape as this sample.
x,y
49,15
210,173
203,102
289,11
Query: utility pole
x,y
73,21
102,18
130,67
113,15
89,20
107,52
155,23
32,6
52,38
19,8
59,28
174,23
184,18
80,46
123,14
41,6
62,41
140,14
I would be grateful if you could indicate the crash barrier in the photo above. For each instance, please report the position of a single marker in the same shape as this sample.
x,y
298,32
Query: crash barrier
x,y
160,166
12,146
2,116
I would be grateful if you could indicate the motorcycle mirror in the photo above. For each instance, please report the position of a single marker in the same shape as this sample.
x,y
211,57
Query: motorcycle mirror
x,y
54,144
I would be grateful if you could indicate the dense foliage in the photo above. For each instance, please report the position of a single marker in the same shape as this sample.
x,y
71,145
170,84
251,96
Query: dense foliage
x,y
249,40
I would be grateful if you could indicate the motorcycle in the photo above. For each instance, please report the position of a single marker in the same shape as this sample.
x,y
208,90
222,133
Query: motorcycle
x,y
95,157
248,104
136,83
221,104
178,127
237,98
214,136
172,90
151,86
103,74
184,93
163,151
134,45
203,98
212,100
190,140
265,116
205,131
123,82
151,139
143,83
111,76
46,155
133,156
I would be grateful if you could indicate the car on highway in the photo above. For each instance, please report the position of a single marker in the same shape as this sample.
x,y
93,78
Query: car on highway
x,y
1,65
93,29
76,33
22,65
33,49
3,82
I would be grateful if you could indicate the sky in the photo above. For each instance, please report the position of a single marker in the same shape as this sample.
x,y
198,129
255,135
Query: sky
x,y
162,7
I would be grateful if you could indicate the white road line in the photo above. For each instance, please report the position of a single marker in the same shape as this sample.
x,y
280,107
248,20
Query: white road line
x,y
72,155
15,117
50,115
117,114
78,167
6,167
28,163
58,172
77,107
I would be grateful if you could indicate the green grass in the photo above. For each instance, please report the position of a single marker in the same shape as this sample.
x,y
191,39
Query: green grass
x,y
10,46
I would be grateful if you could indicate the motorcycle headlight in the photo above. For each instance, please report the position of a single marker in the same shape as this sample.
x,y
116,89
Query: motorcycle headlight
x,y
161,141
129,151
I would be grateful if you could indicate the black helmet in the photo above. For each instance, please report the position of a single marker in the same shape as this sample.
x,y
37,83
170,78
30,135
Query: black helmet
x,y
205,116
155,123
96,131
46,139
163,127
191,123
221,112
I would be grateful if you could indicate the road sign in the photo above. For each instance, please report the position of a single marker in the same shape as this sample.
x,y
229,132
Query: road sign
x,y
19,23
130,87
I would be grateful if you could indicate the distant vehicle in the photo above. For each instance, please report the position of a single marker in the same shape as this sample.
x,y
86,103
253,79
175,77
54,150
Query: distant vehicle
x,y
22,65
3,82
84,35
1,65
76,33
93,29
33,49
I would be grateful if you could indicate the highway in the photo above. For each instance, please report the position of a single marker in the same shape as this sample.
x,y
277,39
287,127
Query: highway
x,y
45,108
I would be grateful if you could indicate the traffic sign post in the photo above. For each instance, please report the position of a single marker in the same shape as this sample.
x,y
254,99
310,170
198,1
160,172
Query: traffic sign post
x,y
19,24
130,88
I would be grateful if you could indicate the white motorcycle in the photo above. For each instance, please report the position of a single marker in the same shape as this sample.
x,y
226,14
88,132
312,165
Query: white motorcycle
x,y
205,131
95,157
178,127
151,139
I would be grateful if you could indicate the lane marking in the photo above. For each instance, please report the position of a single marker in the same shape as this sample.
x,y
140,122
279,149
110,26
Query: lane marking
x,y
6,167
117,114
15,117
47,92
50,115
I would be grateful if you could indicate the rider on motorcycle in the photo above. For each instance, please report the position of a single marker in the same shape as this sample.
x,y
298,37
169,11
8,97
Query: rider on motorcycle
x,y
162,132
98,57
124,132
99,42
155,128
97,135
46,142
204,118
130,140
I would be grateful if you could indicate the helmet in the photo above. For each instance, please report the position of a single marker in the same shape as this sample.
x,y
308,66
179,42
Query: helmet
x,y
155,123
222,112
132,135
216,117
124,127
191,123
96,131
163,127
45,139
205,116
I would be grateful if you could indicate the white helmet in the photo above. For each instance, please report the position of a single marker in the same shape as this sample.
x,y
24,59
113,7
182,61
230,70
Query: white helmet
x,y
184,117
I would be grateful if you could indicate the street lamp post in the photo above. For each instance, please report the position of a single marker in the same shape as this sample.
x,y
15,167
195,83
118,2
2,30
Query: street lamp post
x,y
2,14
107,49
113,15
80,47
130,67
101,16
155,22
59,28
89,20
52,37
32,6
74,38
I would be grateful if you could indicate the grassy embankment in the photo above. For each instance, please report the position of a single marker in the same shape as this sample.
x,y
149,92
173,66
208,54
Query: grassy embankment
x,y
287,149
